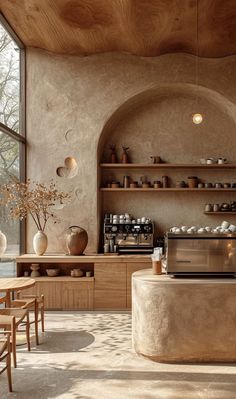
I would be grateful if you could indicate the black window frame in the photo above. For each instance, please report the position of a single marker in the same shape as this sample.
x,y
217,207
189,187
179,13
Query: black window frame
x,y
21,136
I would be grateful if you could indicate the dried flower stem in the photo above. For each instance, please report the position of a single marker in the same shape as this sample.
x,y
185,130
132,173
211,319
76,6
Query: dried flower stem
x,y
37,199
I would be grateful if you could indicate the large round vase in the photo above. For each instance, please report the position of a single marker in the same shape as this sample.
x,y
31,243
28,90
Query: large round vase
x,y
3,243
40,243
76,240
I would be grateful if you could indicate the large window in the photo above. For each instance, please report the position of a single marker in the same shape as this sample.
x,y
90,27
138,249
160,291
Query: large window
x,y
12,131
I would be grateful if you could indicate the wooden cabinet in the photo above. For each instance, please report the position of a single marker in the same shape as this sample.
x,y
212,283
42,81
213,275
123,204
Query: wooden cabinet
x,y
52,294
77,296
110,286
109,289
64,293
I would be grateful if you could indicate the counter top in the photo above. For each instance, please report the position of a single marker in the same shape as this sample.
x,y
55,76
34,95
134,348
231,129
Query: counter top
x,y
90,258
147,276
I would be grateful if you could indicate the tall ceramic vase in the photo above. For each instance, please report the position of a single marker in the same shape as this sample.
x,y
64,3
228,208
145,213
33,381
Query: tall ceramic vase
x,y
3,243
40,242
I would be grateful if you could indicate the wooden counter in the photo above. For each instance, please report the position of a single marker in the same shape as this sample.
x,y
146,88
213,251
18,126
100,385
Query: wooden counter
x,y
109,288
98,258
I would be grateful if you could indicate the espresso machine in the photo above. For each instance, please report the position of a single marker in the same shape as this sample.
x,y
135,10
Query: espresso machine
x,y
125,235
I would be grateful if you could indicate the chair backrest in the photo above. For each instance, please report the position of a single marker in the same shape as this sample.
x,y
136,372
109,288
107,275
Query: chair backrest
x,y
3,299
5,355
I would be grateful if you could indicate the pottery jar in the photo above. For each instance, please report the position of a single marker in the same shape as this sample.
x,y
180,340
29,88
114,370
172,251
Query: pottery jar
x,y
76,240
40,243
192,181
3,243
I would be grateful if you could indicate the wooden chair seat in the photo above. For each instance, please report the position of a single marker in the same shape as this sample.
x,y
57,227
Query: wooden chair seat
x,y
19,314
11,319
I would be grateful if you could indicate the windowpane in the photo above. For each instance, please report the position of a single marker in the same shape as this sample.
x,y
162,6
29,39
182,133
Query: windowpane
x,y
9,169
9,81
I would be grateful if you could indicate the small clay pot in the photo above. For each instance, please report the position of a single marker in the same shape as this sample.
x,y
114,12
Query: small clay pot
x,y
77,273
157,184
180,184
146,185
208,185
115,184
134,184
192,181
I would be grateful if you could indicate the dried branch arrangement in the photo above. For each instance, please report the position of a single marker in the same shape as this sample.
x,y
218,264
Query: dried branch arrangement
x,y
36,199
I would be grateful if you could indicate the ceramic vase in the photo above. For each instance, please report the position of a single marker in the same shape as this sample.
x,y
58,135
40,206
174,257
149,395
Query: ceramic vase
x,y
3,243
76,240
40,242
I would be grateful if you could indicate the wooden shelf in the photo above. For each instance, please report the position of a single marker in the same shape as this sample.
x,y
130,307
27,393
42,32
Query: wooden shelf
x,y
220,213
168,189
62,278
166,166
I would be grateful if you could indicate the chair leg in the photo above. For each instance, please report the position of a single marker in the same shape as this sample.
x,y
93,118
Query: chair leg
x,y
8,361
28,331
36,316
42,313
13,340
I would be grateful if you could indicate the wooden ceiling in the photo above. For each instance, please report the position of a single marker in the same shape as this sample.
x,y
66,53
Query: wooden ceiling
x,y
141,27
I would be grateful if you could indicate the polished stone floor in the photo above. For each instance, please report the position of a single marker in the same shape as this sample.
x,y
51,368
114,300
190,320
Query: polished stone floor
x,y
89,355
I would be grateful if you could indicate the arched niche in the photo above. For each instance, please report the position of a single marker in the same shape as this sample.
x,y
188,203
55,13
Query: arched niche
x,y
177,138
157,94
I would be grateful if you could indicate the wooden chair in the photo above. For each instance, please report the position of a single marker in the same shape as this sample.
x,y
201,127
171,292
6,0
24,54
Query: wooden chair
x,y
5,355
10,320
35,303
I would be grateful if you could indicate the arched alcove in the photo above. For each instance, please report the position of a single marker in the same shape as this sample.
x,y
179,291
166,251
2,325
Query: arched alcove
x,y
156,93
158,121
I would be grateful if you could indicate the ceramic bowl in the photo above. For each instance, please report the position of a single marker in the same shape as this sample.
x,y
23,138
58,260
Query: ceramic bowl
x,y
52,272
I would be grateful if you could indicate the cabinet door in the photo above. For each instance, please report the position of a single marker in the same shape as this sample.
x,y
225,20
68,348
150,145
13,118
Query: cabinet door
x,y
77,295
131,268
52,294
110,286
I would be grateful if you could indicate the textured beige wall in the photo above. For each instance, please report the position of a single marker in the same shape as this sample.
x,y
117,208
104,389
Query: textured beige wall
x,y
144,103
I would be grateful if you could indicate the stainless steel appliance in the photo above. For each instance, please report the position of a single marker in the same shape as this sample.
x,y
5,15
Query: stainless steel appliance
x,y
213,254
128,238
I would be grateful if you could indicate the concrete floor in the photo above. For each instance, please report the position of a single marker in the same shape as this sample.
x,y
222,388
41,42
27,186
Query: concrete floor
x,y
89,355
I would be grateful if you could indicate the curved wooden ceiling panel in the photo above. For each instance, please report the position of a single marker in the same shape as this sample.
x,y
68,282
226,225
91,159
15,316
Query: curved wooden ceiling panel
x,y
141,27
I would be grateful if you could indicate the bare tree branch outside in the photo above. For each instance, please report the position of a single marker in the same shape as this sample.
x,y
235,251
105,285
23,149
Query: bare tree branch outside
x,y
9,116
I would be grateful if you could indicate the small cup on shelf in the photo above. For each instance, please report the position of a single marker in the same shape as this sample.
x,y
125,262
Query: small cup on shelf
x,y
216,207
208,208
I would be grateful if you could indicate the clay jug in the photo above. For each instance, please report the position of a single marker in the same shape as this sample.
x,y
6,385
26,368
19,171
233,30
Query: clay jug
x,y
76,240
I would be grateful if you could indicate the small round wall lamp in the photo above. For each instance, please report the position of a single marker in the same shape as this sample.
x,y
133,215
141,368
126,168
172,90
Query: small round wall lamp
x,y
197,119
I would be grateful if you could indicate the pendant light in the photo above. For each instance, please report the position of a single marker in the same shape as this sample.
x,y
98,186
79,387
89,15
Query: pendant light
x,y
197,117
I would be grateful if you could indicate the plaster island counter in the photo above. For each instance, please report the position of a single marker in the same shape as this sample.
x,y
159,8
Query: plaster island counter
x,y
184,319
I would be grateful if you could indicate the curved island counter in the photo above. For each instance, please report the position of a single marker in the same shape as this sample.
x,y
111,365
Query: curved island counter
x,y
184,319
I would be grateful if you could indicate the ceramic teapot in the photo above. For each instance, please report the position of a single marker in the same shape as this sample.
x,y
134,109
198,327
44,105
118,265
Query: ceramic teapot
x,y
76,240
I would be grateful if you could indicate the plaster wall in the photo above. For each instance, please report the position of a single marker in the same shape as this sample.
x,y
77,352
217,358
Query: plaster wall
x,y
77,106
